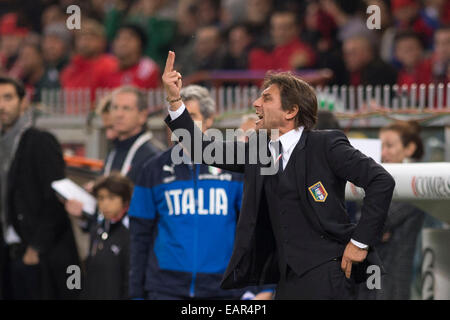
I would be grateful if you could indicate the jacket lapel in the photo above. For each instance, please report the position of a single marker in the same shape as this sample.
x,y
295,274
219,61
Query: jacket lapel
x,y
300,167
250,220
259,178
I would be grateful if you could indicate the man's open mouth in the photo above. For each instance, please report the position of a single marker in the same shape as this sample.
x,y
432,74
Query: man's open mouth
x,y
260,117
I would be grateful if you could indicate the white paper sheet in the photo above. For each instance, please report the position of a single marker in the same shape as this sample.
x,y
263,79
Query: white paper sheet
x,y
70,190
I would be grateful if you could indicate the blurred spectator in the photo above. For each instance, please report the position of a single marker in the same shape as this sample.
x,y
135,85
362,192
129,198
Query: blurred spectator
x,y
156,17
409,52
319,31
53,14
401,142
187,24
240,41
89,67
319,27
408,16
438,11
387,31
133,67
438,62
129,115
258,17
363,66
107,265
12,36
347,16
56,46
208,12
289,52
37,242
232,12
31,63
207,53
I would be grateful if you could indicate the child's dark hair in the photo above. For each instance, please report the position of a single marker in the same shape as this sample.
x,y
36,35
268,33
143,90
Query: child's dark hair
x,y
116,184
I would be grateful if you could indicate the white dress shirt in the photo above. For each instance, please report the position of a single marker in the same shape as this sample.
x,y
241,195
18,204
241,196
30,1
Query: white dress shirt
x,y
288,142
177,113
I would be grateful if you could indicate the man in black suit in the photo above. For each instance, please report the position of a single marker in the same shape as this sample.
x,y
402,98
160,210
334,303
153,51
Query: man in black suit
x,y
36,239
293,228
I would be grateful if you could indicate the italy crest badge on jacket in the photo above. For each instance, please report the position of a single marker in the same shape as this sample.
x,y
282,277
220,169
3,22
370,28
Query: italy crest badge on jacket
x,y
318,192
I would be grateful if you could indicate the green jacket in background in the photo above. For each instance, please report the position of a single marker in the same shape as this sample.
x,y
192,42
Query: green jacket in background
x,y
160,32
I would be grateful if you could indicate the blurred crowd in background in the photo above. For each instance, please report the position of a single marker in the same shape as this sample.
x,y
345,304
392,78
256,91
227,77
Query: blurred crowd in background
x,y
126,42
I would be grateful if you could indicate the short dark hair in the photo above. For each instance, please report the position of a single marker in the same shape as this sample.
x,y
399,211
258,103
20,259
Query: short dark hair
x,y
138,32
295,91
17,84
116,184
408,35
409,131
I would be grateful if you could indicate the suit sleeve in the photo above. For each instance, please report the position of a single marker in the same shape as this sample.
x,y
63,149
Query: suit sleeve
x,y
49,166
142,213
199,141
350,164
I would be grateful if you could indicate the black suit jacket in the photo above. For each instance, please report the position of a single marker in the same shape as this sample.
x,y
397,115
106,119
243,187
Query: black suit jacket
x,y
33,209
324,156
37,215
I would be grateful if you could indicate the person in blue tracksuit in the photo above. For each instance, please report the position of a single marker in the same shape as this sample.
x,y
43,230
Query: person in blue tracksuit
x,y
182,223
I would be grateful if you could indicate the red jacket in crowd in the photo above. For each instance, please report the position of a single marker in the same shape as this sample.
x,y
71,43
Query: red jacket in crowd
x,y
145,75
280,58
420,74
83,73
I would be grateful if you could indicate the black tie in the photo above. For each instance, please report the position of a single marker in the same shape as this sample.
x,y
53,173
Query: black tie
x,y
280,154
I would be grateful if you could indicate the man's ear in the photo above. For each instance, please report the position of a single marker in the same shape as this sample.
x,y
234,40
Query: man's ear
x,y
292,113
410,149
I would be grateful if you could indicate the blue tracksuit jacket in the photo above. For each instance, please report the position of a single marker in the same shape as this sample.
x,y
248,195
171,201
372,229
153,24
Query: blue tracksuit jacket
x,y
182,225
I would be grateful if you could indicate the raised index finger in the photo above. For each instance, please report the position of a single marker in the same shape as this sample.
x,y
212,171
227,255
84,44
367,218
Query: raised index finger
x,y
170,61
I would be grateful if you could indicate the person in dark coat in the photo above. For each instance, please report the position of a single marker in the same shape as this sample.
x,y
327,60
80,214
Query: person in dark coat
x,y
293,229
37,240
107,264
363,66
